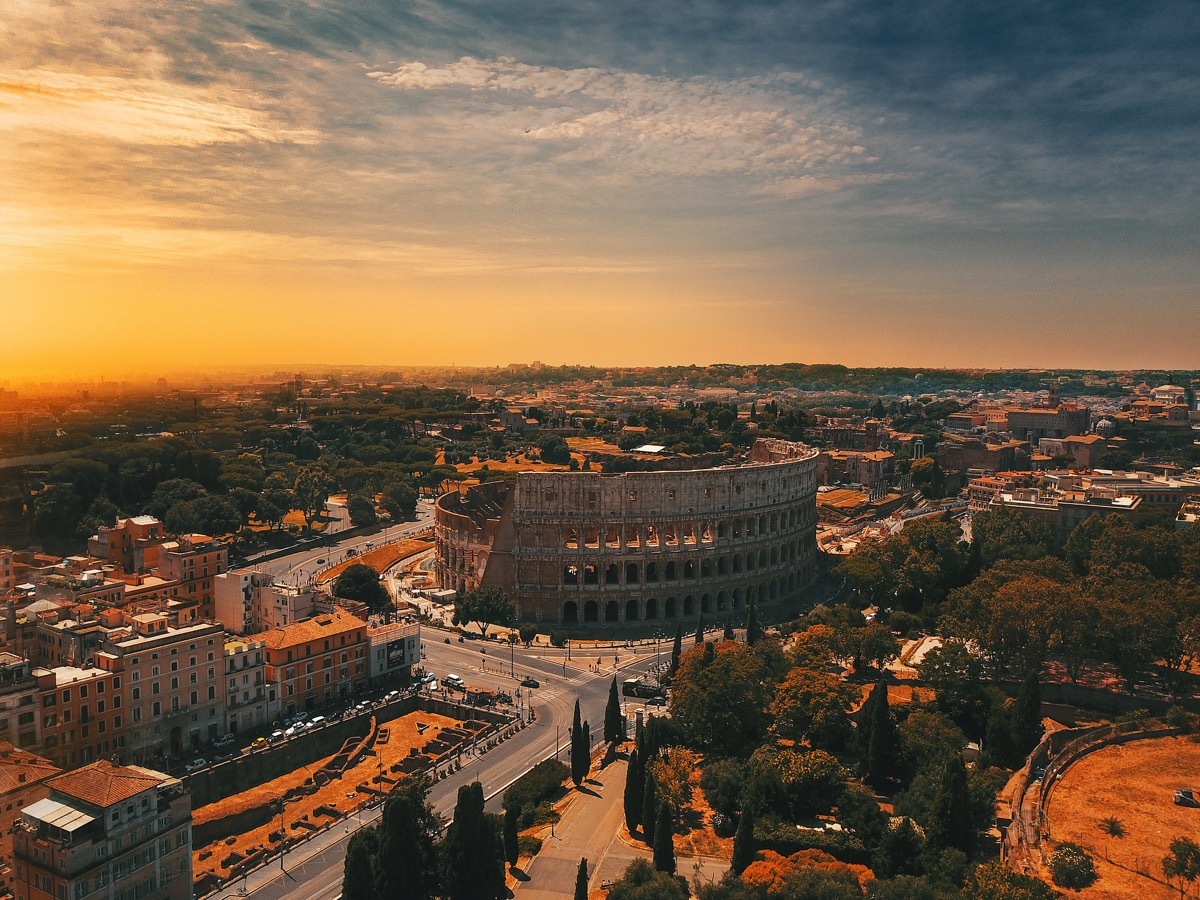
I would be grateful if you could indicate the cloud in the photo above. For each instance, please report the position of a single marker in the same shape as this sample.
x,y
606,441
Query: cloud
x,y
775,126
134,110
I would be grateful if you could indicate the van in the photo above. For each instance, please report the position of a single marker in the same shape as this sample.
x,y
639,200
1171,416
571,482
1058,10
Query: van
x,y
455,681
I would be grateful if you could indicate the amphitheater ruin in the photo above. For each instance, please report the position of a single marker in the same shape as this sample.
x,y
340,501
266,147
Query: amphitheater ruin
x,y
587,547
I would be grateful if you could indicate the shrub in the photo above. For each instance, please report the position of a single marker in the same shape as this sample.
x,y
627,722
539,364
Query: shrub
x,y
905,622
559,638
784,838
1071,867
721,781
534,788
528,845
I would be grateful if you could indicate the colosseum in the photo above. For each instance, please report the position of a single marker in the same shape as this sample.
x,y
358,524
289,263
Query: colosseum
x,y
586,547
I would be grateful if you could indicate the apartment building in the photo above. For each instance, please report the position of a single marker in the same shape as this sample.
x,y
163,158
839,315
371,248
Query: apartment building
x,y
82,712
131,543
1061,511
120,832
194,560
244,685
313,662
7,575
394,650
22,782
172,685
249,602
19,722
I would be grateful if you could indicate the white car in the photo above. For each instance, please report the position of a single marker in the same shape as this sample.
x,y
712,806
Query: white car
x,y
392,695
224,740
195,765
455,681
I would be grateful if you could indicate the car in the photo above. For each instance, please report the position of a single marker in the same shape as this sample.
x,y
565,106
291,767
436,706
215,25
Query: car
x,y
317,722
530,682
195,765
455,681
301,716
503,697
390,696
224,740
320,562
258,743
428,677
660,700
293,730
222,757
1187,797
276,736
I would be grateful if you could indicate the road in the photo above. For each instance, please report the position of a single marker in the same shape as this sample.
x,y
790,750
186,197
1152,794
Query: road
x,y
314,870
298,568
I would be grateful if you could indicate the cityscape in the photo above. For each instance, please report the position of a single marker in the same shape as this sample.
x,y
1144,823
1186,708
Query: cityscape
x,y
598,450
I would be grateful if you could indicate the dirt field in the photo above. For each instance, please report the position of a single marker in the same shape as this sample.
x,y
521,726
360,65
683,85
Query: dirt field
x,y
379,559
340,793
1133,783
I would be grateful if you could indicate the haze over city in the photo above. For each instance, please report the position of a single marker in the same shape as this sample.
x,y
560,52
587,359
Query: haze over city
x,y
372,182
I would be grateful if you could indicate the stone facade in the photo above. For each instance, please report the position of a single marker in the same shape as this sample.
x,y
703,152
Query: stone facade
x,y
586,547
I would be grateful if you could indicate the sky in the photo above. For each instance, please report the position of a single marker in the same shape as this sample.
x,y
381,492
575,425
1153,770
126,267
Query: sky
x,y
198,183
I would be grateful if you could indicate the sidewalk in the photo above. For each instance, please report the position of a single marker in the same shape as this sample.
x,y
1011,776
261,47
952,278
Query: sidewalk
x,y
591,827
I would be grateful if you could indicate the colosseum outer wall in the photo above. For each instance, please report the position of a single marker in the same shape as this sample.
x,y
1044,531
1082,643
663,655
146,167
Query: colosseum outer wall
x,y
584,547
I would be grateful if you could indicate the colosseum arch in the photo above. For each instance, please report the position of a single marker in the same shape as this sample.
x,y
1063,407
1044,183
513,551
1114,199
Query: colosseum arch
x,y
570,612
591,611
612,611
631,611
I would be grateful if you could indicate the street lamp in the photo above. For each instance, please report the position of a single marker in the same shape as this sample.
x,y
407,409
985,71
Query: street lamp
x,y
512,655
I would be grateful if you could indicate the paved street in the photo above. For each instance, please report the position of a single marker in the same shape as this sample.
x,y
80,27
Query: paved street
x,y
591,827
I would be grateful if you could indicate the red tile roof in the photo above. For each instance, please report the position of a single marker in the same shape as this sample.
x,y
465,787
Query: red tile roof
x,y
103,784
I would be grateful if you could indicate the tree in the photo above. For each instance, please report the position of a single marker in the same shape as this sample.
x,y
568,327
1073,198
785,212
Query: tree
x,y
1026,715
728,633
1071,866
361,582
512,843
956,676
700,630
581,880
928,476
792,783
883,738
407,860
664,840
676,649
527,631
632,798
362,511
877,646
996,881
358,878
642,882
1182,862
614,719
673,770
399,498
580,754
209,515
720,695
743,842
483,606
472,850
753,629
311,490
1004,534
899,852
649,807
951,822
170,492
813,704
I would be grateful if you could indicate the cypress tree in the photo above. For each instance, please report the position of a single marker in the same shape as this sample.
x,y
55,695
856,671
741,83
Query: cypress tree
x,y
728,628
473,854
676,650
579,764
743,842
587,747
883,748
951,825
664,840
700,630
358,879
634,787
406,866
512,843
863,720
581,881
614,719
649,807
1027,715
753,629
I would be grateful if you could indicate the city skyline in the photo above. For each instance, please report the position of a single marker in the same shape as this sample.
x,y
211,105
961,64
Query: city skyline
x,y
369,183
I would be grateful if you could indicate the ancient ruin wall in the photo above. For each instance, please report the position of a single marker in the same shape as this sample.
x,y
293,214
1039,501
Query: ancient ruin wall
x,y
585,547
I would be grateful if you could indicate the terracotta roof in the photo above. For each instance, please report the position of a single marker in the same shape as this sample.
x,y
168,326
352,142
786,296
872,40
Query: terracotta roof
x,y
103,784
316,628
20,768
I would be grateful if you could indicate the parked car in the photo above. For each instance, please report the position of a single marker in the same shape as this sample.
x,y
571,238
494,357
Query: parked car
x,y
503,697
224,740
317,722
530,682
390,696
660,700
1187,797
258,743
195,765
455,681
293,730
276,737
428,677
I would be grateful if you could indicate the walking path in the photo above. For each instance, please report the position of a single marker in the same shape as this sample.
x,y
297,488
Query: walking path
x,y
591,827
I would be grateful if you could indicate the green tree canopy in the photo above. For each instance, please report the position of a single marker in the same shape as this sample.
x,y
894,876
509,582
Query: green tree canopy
x,y
361,582
483,606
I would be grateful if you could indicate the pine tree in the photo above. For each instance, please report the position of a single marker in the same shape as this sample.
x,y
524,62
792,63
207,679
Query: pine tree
x,y
473,850
587,747
743,842
1026,715
512,841
614,719
358,880
883,748
407,861
728,635
676,650
581,881
632,797
649,807
700,630
951,825
753,629
579,762
664,840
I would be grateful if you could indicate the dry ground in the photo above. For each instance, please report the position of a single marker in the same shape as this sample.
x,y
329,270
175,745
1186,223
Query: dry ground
x,y
1133,783
339,793
379,559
